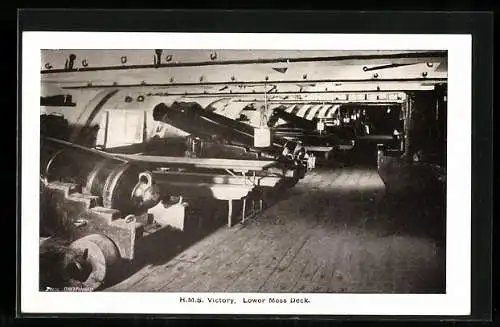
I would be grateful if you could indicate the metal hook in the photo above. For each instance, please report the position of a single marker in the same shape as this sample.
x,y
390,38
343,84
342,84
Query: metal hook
x,y
70,62
147,177
158,53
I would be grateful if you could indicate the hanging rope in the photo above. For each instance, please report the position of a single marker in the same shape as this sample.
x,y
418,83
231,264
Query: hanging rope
x,y
262,133
263,118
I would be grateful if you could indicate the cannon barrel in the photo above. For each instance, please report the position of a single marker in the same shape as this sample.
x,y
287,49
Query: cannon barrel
x,y
306,130
292,119
65,161
193,119
90,171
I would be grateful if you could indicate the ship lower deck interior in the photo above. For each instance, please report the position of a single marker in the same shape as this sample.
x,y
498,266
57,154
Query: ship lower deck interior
x,y
244,171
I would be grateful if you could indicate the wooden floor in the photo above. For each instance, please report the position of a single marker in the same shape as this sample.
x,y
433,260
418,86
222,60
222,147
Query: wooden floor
x,y
335,231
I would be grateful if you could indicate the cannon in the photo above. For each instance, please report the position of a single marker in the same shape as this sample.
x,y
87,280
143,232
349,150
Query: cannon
x,y
214,130
313,134
291,119
103,205
98,206
311,131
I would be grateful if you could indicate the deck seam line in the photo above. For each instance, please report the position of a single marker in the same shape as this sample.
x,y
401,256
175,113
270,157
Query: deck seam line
x,y
283,257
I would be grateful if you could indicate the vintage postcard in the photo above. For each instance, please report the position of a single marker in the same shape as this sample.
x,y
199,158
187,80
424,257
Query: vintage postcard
x,y
275,174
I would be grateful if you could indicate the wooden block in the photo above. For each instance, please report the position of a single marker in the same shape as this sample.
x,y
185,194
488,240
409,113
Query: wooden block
x,y
66,188
107,213
89,200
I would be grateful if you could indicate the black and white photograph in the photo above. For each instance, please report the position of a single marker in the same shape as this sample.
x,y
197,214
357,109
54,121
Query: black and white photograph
x,y
242,176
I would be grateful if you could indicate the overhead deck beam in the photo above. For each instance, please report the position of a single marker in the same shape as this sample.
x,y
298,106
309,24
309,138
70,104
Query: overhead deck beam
x,y
281,95
106,60
255,85
303,75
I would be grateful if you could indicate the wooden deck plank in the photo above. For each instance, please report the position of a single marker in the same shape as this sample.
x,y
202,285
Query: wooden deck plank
x,y
126,284
351,181
375,180
228,263
191,254
340,262
200,251
197,250
256,269
316,239
309,270
251,279
218,281
324,273
210,261
255,274
364,178
289,269
155,280
272,249
333,176
338,182
310,287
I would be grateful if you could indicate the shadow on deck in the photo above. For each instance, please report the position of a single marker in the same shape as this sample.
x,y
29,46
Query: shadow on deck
x,y
335,231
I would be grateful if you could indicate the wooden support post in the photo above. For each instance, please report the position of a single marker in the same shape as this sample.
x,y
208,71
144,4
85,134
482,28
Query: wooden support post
x,y
106,131
229,212
243,210
409,107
